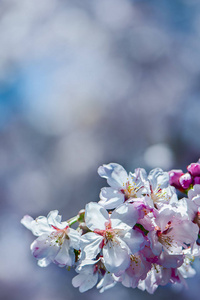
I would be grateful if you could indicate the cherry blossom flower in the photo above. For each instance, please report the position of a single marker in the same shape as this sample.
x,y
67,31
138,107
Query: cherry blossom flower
x,y
122,186
113,235
88,275
160,190
89,271
158,275
172,233
137,271
56,240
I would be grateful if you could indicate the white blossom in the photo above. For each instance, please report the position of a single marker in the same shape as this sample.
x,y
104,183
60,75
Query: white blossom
x,y
56,240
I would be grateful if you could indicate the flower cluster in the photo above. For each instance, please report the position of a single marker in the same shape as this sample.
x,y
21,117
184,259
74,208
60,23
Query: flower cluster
x,y
184,181
139,234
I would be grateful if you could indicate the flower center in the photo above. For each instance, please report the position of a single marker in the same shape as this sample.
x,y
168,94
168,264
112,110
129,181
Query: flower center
x,y
158,195
130,189
60,235
108,233
163,236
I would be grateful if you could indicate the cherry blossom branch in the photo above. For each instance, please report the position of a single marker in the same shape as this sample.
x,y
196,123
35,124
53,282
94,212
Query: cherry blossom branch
x,y
139,234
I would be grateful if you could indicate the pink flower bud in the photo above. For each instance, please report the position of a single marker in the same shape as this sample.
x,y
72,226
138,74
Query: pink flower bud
x,y
197,180
194,169
174,176
185,180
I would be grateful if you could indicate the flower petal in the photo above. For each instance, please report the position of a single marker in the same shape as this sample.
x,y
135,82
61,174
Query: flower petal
x,y
155,245
54,219
115,174
83,266
106,282
166,214
170,261
27,221
116,258
185,233
75,238
134,240
44,262
110,198
195,191
65,256
158,179
95,216
39,226
44,247
85,281
126,213
140,175
90,244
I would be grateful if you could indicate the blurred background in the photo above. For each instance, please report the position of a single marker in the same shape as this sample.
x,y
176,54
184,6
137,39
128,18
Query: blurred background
x,y
84,83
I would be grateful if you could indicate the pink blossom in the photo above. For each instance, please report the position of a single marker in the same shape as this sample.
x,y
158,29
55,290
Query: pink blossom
x,y
172,232
185,180
174,176
194,169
